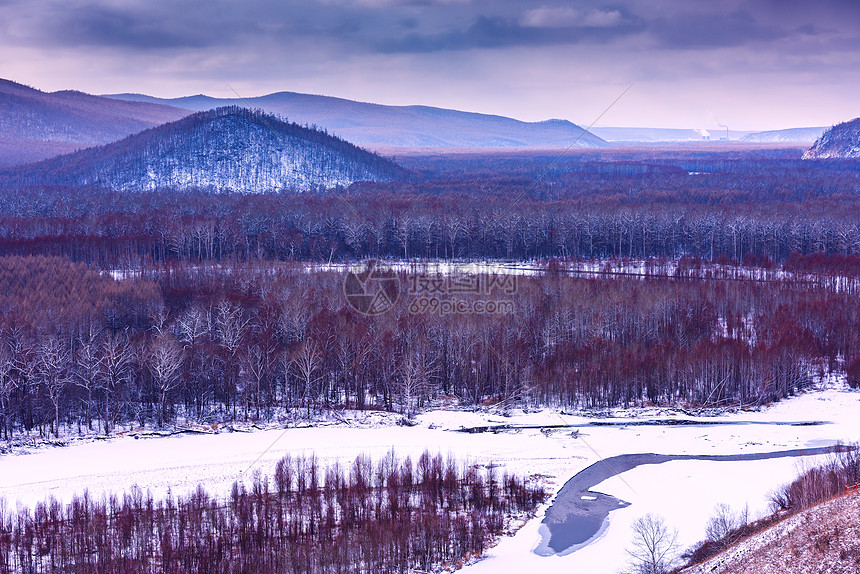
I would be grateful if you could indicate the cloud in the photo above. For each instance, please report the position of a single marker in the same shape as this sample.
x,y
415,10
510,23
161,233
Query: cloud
x,y
391,3
446,48
567,17
396,26
108,26
601,18
551,17
713,30
488,32
128,25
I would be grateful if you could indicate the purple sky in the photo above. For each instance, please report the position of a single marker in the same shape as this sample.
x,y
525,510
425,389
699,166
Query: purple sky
x,y
761,64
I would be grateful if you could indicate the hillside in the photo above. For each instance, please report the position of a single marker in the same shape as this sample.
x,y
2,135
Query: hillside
x,y
389,127
227,149
791,135
824,538
840,141
36,125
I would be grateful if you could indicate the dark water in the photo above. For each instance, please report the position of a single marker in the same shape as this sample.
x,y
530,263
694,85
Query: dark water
x,y
571,522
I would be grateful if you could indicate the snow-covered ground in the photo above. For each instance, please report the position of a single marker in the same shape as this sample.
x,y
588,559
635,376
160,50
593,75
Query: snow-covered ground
x,y
684,492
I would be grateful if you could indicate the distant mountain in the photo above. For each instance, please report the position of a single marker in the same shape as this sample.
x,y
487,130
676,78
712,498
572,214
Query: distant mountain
x,y
792,135
227,149
35,125
840,141
389,127
657,135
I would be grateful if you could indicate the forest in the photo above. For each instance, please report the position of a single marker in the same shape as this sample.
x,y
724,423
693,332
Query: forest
x,y
83,353
586,205
138,309
389,516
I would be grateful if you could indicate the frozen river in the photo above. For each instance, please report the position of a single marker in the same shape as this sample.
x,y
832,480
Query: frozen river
x,y
578,513
683,490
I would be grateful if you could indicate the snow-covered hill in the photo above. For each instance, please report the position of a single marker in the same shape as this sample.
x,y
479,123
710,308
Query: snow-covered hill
x,y
840,141
227,149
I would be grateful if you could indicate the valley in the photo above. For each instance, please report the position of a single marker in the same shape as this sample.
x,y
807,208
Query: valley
x,y
475,342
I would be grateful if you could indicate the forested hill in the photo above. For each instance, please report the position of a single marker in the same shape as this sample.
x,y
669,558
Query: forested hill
x,y
36,125
226,149
840,141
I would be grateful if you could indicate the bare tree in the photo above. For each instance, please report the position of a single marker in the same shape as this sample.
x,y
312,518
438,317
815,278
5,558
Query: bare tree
x,y
87,370
307,362
416,371
53,371
723,521
165,357
293,319
116,355
411,381
654,547
230,325
7,385
230,329
256,364
193,325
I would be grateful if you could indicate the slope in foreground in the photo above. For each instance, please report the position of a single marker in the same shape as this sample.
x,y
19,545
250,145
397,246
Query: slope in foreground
x,y
824,538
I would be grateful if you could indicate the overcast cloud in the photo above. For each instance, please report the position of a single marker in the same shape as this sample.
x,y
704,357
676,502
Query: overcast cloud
x,y
752,64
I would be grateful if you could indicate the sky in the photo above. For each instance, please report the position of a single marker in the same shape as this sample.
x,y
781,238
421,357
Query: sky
x,y
749,65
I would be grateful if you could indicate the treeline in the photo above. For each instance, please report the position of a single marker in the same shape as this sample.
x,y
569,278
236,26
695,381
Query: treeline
x,y
389,517
282,342
591,204
839,474
133,230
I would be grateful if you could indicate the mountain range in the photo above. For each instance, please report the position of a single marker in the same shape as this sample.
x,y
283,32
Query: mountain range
x,y
234,150
389,128
226,149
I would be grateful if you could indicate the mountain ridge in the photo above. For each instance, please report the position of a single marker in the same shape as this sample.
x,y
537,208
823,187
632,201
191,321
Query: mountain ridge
x,y
789,135
36,125
380,126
